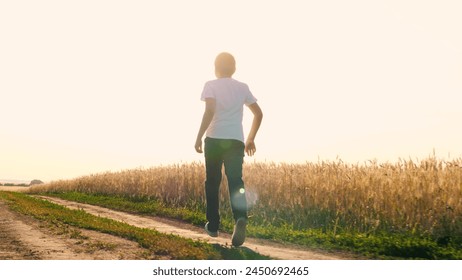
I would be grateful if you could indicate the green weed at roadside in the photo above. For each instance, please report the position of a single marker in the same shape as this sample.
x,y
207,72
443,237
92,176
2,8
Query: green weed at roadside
x,y
381,245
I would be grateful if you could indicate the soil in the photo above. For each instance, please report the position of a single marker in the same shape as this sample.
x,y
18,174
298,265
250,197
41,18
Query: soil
x,y
22,237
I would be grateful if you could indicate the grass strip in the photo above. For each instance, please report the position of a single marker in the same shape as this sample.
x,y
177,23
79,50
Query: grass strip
x,y
380,245
161,245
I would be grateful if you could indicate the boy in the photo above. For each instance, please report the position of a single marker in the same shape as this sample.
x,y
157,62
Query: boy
x,y
224,99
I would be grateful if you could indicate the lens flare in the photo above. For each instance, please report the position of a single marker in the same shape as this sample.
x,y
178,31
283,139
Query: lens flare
x,y
251,197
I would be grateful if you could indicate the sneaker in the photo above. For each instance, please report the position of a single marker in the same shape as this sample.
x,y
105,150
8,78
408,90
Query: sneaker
x,y
211,233
239,232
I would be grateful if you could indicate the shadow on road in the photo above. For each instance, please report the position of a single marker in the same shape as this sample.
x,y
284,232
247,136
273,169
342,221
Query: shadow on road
x,y
239,253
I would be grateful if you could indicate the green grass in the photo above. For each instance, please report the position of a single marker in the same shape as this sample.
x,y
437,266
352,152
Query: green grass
x,y
378,244
161,245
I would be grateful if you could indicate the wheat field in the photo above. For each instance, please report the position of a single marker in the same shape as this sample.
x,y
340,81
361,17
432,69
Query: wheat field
x,y
421,197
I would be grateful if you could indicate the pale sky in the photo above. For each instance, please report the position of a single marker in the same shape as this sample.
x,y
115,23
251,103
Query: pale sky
x,y
94,86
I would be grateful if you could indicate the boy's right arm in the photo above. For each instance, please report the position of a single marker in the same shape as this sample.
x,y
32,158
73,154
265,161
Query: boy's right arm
x,y
250,147
206,120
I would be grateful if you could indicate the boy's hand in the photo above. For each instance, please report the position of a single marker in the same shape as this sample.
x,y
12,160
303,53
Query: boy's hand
x,y
250,148
198,146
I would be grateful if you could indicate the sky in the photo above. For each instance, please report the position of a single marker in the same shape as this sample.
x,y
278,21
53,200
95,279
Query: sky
x,y
94,86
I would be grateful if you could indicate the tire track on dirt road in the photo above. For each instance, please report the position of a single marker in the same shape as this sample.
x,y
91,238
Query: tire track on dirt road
x,y
264,247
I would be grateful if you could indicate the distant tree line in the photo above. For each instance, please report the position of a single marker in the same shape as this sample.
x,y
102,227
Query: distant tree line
x,y
33,182
13,185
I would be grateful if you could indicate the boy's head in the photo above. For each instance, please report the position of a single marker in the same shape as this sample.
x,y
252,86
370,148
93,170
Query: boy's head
x,y
225,65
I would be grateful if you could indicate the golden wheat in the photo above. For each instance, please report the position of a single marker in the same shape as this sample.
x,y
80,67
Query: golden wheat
x,y
423,197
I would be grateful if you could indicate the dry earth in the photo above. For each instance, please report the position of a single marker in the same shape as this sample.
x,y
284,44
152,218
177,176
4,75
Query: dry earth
x,y
25,238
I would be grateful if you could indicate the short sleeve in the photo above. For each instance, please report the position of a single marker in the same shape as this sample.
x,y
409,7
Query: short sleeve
x,y
250,99
207,92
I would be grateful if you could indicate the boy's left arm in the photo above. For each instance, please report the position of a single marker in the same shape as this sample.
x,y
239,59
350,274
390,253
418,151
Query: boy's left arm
x,y
210,104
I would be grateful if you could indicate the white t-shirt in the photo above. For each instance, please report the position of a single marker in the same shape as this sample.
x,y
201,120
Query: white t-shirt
x,y
230,96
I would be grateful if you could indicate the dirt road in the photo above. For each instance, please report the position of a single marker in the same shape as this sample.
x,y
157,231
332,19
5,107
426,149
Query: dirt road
x,y
25,238
268,248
